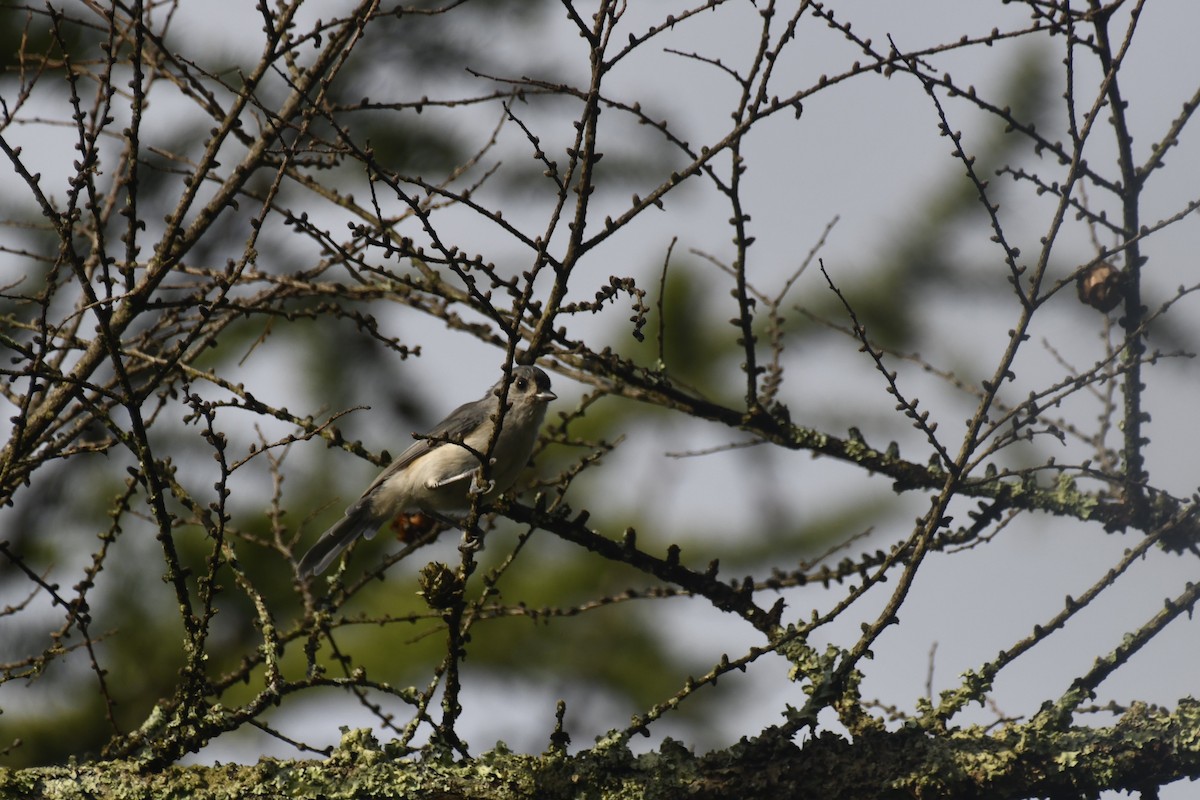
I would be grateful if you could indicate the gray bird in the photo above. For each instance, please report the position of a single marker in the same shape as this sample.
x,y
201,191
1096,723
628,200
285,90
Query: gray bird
x,y
438,473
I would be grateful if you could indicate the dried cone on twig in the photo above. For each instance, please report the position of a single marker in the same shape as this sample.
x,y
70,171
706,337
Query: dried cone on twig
x,y
1101,286
409,528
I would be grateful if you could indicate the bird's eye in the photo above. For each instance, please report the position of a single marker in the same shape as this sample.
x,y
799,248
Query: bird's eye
x,y
521,384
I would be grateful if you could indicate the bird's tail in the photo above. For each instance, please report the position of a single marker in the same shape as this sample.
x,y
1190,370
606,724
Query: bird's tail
x,y
357,522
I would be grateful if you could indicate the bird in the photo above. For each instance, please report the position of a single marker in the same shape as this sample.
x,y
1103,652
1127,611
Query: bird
x,y
441,471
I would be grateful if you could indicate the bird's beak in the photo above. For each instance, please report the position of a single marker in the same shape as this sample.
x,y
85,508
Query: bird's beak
x,y
545,397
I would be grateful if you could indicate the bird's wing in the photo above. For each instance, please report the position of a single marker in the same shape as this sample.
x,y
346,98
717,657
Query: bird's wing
x,y
438,484
454,427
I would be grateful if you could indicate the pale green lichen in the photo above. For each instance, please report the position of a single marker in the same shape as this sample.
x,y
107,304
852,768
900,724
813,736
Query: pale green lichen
x,y
1037,756
1067,494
